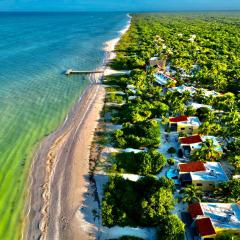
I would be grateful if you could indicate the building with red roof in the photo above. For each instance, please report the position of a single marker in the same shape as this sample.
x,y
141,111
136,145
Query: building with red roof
x,y
188,144
195,210
184,124
209,218
191,167
194,142
205,175
178,119
190,140
205,227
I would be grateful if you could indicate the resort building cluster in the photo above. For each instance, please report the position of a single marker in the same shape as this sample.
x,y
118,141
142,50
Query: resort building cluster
x,y
181,139
208,218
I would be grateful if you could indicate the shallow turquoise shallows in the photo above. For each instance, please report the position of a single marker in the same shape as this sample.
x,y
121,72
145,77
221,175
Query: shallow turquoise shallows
x,y
35,49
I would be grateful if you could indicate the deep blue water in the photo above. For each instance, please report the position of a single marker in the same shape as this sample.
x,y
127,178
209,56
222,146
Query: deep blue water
x,y
35,49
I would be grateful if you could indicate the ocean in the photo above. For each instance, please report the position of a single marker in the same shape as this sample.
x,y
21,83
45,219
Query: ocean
x,y
35,95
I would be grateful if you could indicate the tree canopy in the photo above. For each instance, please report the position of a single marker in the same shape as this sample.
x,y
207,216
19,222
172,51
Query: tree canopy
x,y
142,163
229,191
141,203
171,228
142,134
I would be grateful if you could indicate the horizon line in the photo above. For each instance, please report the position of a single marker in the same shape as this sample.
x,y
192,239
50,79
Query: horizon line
x,y
112,11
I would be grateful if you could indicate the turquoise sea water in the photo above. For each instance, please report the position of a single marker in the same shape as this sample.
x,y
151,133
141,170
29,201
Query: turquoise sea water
x,y
35,49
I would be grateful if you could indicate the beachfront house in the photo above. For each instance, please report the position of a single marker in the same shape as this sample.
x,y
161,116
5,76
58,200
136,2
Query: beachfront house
x,y
184,124
209,93
211,218
192,90
162,79
182,89
192,143
205,175
157,62
131,88
196,106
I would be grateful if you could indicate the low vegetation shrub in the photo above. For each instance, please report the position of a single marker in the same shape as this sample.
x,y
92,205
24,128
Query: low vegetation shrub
x,y
143,134
142,203
114,98
171,228
228,235
143,163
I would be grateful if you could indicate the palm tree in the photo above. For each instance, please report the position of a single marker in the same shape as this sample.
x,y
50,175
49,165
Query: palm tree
x,y
228,191
219,82
211,117
205,128
232,123
210,128
208,152
227,102
191,194
179,107
236,162
170,83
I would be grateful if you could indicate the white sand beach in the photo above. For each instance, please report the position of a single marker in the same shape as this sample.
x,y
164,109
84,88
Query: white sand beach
x,y
61,195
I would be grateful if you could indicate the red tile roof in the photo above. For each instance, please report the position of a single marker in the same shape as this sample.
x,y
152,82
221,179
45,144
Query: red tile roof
x,y
178,119
191,139
192,167
195,210
205,227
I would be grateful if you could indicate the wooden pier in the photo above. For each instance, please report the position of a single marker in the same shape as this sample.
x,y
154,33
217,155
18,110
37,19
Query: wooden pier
x,y
71,71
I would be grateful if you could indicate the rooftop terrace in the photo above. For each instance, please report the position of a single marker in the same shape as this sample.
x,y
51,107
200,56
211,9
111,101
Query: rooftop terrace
x,y
223,215
214,172
199,105
162,78
183,88
210,93
185,120
193,121
192,167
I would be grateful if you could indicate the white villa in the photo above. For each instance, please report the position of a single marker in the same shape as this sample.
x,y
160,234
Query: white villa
x,y
199,105
182,89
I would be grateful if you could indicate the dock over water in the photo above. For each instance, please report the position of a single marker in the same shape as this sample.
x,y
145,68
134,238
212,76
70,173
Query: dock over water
x,y
71,71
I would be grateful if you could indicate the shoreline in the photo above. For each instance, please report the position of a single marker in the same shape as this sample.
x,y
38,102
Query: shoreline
x,y
59,173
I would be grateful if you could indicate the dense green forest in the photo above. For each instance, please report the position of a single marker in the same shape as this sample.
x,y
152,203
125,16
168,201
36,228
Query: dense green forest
x,y
214,46
216,53
199,50
138,204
